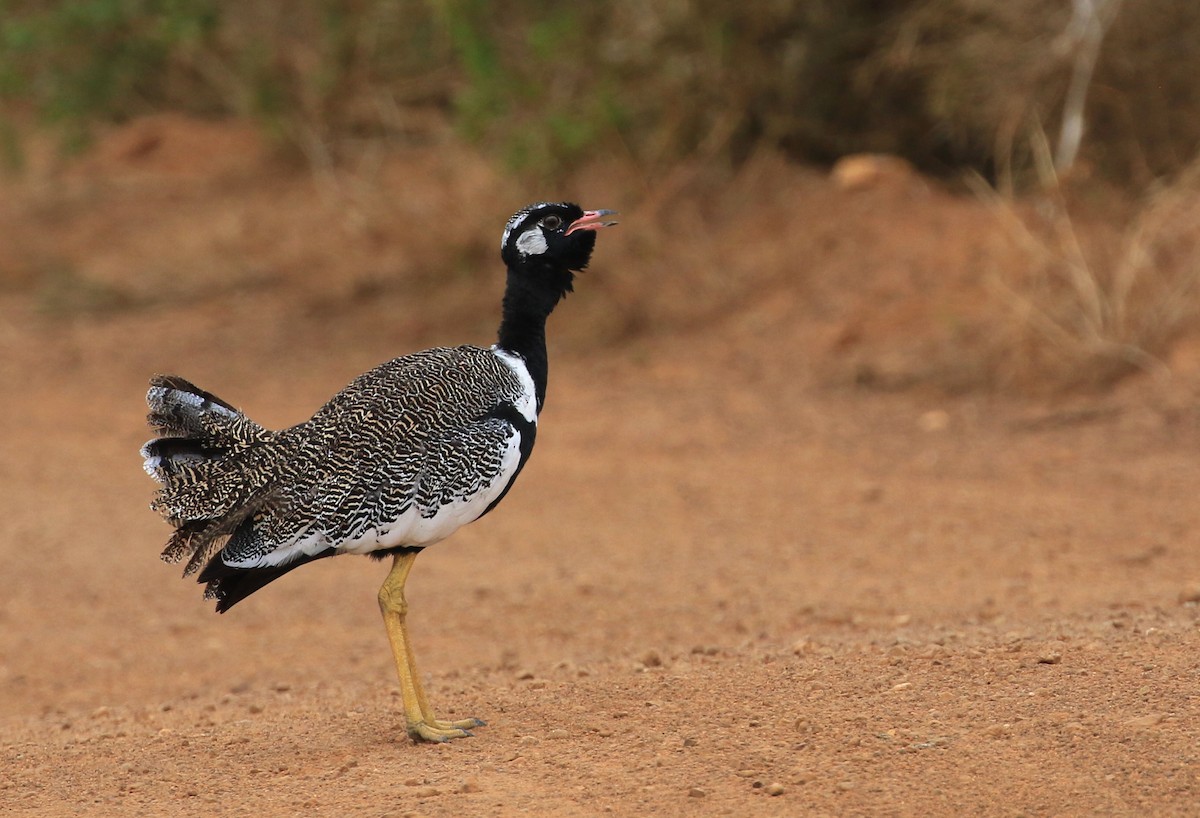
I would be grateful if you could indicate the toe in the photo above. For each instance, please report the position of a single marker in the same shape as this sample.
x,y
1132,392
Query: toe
x,y
437,733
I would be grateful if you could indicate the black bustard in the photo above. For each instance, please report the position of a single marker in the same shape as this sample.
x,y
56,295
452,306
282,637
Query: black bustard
x,y
398,460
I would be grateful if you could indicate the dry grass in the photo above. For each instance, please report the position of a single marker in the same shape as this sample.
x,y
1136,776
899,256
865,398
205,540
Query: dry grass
x,y
947,84
1091,306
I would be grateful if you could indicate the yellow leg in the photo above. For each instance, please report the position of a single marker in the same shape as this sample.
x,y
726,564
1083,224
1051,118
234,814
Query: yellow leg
x,y
421,723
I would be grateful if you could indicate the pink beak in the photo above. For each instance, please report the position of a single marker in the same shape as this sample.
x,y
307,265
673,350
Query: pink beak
x,y
592,220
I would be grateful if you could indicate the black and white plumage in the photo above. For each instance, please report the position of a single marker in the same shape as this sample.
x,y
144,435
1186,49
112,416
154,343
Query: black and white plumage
x,y
404,456
398,460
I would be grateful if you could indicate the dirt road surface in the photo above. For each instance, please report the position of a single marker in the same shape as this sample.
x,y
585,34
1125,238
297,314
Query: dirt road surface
x,y
727,584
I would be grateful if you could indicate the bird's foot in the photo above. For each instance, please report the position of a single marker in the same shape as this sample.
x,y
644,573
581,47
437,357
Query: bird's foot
x,y
442,731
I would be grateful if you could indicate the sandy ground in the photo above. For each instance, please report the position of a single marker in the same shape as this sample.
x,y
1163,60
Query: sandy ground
x,y
727,584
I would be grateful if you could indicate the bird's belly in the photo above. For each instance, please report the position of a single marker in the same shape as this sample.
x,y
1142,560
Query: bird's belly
x,y
417,527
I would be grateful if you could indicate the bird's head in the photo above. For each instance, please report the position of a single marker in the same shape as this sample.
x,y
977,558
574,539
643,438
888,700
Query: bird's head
x,y
549,241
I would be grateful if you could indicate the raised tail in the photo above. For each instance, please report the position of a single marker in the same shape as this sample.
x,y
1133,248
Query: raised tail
x,y
194,424
213,465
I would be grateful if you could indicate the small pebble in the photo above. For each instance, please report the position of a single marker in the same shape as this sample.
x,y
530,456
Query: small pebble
x,y
651,659
697,792
868,171
558,734
1051,653
803,647
774,788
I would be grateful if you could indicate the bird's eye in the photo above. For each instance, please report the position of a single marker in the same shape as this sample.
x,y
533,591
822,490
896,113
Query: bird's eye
x,y
552,222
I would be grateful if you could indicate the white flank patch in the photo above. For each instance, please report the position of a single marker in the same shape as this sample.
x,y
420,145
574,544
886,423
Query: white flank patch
x,y
532,242
527,404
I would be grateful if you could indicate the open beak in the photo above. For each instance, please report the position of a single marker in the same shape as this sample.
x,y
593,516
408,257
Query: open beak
x,y
592,220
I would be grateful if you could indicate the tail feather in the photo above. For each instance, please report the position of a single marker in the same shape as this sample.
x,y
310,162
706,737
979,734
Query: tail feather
x,y
200,540
167,455
229,585
195,427
214,465
177,404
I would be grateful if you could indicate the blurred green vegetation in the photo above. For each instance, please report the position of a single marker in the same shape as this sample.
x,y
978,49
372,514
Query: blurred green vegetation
x,y
948,84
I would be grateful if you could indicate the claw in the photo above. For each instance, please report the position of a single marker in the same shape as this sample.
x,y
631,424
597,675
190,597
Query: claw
x,y
437,734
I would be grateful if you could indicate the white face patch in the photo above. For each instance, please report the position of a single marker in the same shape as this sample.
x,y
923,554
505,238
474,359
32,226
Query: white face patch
x,y
516,220
532,242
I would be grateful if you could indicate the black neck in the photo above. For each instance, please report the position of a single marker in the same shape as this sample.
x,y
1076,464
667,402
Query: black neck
x,y
523,326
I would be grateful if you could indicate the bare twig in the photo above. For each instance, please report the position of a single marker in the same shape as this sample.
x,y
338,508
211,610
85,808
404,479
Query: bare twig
x,y
1090,20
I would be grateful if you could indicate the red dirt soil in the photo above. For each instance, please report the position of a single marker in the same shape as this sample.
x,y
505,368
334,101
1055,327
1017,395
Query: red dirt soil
x,y
737,578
